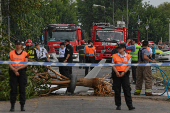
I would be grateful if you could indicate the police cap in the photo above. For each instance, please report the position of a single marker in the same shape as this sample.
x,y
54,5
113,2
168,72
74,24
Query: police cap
x,y
62,43
17,42
37,43
120,44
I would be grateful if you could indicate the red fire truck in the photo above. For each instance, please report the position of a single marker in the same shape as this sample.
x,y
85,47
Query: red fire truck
x,y
105,38
57,33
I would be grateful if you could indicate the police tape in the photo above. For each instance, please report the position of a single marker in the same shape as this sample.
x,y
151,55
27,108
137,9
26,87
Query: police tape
x,y
84,64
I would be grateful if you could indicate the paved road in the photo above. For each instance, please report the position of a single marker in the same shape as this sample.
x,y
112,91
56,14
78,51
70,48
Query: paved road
x,y
86,104
91,104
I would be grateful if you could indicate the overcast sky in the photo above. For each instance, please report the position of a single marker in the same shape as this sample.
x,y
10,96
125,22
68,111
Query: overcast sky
x,y
156,2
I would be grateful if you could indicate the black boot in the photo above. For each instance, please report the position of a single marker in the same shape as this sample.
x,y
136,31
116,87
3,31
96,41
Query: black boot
x,y
131,108
118,108
12,108
22,108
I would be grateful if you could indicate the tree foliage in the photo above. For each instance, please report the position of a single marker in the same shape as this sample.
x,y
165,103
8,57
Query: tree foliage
x,y
157,16
30,17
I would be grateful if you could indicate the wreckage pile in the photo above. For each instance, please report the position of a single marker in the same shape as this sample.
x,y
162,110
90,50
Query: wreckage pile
x,y
101,86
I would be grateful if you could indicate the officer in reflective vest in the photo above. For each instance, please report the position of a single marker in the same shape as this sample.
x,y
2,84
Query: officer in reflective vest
x,y
89,52
17,73
30,50
121,77
144,72
81,52
134,47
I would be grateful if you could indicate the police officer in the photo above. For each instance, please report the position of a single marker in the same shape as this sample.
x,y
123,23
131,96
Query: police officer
x,y
61,57
30,50
121,76
89,53
144,72
17,73
68,57
41,53
134,47
81,52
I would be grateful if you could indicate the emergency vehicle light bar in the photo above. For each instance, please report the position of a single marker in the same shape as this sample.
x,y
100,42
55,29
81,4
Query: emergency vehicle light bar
x,y
61,24
101,24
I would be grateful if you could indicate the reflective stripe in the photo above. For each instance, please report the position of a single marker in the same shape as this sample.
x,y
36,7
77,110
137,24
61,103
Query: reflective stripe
x,y
89,54
137,91
120,62
133,53
148,90
31,56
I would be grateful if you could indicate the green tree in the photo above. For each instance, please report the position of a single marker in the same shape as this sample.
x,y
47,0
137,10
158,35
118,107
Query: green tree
x,y
34,16
88,14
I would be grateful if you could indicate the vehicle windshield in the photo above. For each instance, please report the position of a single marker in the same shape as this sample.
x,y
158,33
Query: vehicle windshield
x,y
108,36
54,35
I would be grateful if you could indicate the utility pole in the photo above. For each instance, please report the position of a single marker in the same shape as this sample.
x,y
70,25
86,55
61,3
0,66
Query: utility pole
x,y
127,14
104,15
8,22
113,14
169,30
127,19
147,27
0,20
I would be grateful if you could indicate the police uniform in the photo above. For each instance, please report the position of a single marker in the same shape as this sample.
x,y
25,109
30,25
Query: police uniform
x,y
61,59
89,56
41,54
68,50
21,79
122,81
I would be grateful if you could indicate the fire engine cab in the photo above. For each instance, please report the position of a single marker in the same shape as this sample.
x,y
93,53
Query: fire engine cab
x,y
57,33
105,37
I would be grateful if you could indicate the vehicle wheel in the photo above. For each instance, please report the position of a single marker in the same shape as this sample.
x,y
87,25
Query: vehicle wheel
x,y
72,85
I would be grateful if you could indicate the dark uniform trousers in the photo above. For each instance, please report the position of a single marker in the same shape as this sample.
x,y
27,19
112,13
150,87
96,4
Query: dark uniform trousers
x,y
61,68
134,71
81,59
68,70
14,80
89,60
124,82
